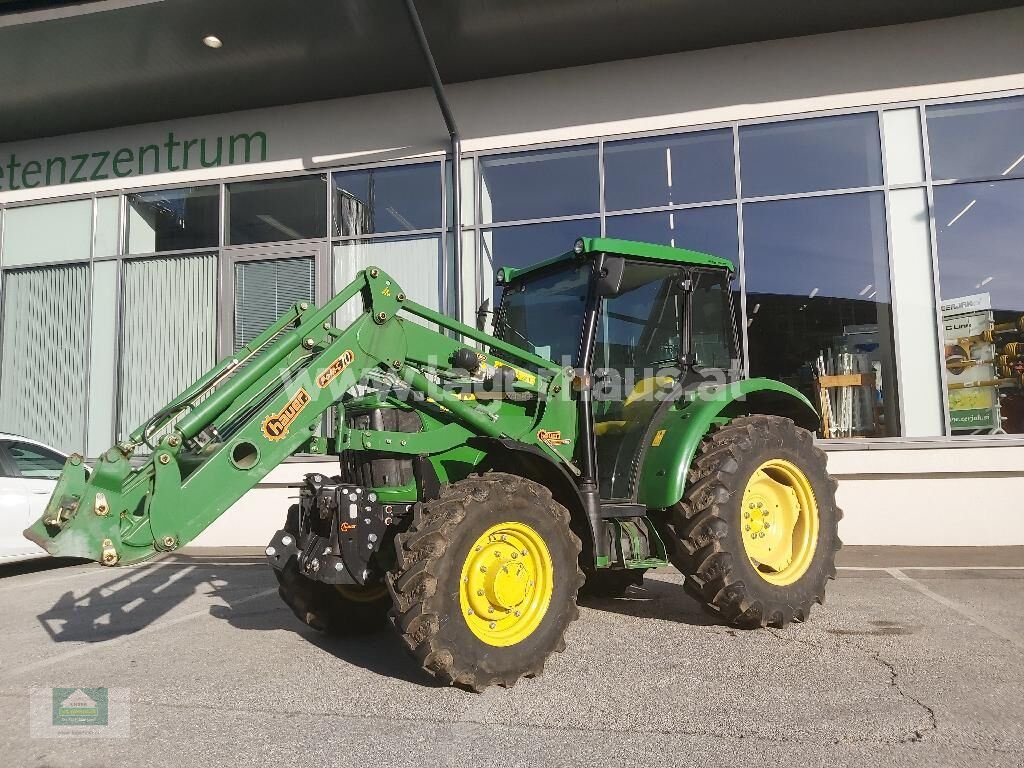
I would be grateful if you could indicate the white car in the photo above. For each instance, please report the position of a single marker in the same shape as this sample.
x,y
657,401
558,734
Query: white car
x,y
28,474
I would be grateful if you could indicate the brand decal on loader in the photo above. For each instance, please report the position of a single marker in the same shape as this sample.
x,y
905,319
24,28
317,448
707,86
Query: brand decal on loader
x,y
334,370
346,527
275,426
553,437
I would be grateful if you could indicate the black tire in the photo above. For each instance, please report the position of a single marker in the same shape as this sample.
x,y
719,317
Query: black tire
x,y
611,583
425,585
344,611
705,528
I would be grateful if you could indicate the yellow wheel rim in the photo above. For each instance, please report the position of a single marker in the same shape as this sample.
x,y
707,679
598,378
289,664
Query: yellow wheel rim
x,y
361,594
779,522
506,584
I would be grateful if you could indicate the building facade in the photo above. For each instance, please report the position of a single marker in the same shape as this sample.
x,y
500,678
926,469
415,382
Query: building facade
x,y
869,184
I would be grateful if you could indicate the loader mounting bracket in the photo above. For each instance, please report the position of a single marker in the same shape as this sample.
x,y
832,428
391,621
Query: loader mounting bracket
x,y
340,527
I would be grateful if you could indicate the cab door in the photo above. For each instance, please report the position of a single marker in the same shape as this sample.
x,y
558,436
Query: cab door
x,y
638,360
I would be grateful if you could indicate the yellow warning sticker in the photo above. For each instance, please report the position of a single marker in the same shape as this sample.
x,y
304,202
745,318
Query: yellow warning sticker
x,y
658,437
523,376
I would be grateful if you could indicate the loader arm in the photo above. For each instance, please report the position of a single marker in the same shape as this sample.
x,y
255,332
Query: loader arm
x,y
219,438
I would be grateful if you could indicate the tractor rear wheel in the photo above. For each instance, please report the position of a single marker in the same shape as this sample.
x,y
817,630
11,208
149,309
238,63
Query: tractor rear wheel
x,y
756,532
337,609
486,580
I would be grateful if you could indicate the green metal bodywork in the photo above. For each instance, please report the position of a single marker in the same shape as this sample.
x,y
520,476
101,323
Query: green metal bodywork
x,y
629,248
662,478
225,433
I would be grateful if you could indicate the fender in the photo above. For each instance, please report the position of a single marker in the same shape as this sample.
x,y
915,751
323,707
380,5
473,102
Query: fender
x,y
662,479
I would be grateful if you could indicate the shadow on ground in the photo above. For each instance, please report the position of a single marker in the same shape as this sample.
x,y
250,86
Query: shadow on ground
x,y
135,598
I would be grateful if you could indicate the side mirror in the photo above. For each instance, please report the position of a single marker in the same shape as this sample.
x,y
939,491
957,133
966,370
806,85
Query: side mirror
x,y
481,314
609,282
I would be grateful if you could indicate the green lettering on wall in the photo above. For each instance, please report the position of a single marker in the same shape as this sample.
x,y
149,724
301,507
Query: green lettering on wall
x,y
171,154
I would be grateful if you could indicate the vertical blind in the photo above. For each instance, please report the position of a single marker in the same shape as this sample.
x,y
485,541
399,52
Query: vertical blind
x,y
169,332
43,380
265,289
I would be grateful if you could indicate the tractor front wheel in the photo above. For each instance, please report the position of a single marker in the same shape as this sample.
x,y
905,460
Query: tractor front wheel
x,y
756,533
486,581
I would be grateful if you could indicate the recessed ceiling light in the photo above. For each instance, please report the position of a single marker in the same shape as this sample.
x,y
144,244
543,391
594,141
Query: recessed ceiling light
x,y
212,41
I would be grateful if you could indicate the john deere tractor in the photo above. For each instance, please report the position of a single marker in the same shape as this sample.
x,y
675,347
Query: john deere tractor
x,y
602,429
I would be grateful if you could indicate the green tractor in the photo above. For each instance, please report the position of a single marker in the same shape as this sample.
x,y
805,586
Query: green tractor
x,y
603,429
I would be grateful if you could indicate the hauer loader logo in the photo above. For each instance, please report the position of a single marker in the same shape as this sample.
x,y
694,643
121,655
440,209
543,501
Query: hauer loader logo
x,y
553,437
334,370
275,426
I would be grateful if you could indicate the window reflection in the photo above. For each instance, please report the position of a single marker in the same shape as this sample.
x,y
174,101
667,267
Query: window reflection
x,y
530,243
536,185
977,138
810,155
277,209
708,230
980,228
397,199
686,168
818,307
173,220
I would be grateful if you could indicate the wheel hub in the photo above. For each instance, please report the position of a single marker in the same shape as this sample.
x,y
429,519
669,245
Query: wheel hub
x,y
506,585
779,521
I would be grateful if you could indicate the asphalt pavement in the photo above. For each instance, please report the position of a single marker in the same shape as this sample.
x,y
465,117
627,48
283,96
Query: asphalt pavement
x,y
916,659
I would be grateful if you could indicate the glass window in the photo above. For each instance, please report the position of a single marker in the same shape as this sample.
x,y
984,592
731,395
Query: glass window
x,y
817,281
711,322
265,289
541,184
708,230
810,155
544,314
687,168
525,245
979,229
977,138
35,462
639,330
277,209
414,263
173,220
46,233
45,317
387,199
163,349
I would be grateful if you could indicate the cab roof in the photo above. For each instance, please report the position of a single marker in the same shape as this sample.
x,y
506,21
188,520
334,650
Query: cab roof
x,y
631,248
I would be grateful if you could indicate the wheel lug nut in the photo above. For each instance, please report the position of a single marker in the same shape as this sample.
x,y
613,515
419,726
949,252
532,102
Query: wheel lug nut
x,y
480,592
469,612
517,614
490,609
479,548
493,625
752,505
748,528
483,569
497,554
522,552
515,555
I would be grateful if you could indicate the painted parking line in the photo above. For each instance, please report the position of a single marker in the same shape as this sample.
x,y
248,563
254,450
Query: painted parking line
x,y
930,568
963,610
50,661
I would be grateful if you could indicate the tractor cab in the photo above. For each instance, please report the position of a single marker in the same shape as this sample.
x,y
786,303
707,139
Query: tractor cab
x,y
645,322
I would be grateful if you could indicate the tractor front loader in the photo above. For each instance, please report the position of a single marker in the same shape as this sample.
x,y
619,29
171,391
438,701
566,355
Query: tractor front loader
x,y
603,429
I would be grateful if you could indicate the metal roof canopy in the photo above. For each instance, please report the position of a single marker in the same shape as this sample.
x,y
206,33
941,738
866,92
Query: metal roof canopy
x,y
70,67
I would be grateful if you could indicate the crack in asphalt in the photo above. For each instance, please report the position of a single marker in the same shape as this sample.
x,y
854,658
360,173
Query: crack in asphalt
x,y
918,734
